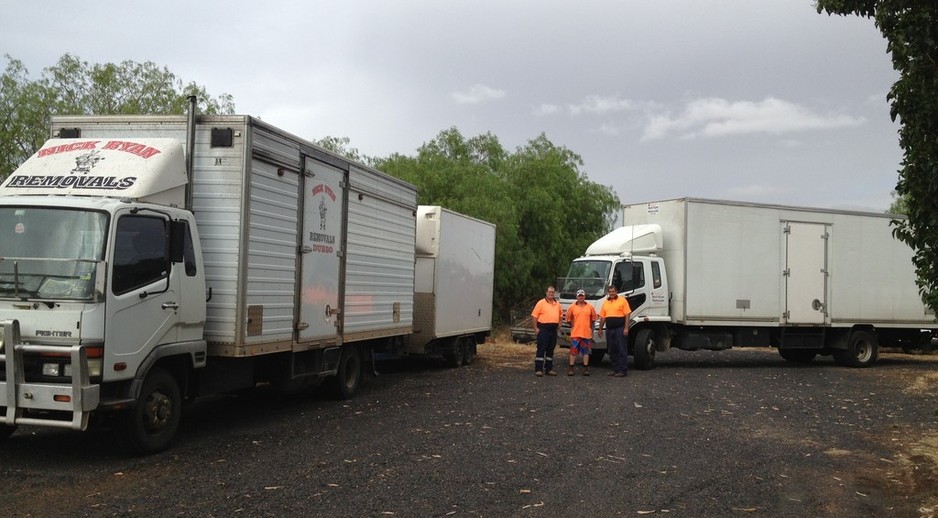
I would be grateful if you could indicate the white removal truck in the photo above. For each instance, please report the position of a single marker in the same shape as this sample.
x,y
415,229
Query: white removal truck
x,y
135,274
707,274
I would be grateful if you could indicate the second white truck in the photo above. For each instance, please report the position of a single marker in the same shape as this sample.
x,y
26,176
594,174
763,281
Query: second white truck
x,y
707,274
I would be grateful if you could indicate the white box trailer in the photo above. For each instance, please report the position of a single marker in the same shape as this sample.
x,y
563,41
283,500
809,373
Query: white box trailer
x,y
137,274
708,274
455,272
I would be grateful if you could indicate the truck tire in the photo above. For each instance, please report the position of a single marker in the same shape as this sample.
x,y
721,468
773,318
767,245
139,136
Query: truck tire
x,y
6,431
643,351
862,350
797,355
596,356
348,376
454,357
153,422
468,350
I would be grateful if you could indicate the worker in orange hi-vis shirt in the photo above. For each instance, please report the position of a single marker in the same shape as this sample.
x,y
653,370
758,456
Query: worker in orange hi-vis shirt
x,y
581,315
546,317
614,316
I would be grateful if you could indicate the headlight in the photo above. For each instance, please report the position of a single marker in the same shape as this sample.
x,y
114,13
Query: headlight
x,y
94,368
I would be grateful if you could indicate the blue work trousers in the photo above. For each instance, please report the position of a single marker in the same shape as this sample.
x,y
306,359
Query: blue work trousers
x,y
618,353
546,342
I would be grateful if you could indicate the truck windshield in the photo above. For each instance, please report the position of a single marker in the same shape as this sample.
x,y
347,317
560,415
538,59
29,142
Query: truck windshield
x,y
589,276
49,253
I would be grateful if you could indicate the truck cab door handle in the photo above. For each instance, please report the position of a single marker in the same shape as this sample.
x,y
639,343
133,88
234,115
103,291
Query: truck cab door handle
x,y
170,305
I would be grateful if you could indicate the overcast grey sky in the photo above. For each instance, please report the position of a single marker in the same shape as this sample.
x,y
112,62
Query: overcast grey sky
x,y
763,101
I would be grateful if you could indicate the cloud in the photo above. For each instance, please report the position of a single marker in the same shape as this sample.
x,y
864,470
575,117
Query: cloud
x,y
599,105
590,105
714,117
547,109
477,94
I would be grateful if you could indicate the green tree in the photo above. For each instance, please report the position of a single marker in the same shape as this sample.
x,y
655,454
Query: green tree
x,y
911,31
545,209
73,87
898,205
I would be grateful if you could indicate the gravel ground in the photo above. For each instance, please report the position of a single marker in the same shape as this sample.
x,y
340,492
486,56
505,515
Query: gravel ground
x,y
734,433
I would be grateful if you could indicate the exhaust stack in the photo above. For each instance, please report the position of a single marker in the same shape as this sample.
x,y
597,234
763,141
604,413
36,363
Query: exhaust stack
x,y
190,149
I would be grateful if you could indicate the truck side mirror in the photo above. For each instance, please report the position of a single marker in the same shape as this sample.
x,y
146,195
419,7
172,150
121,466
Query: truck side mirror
x,y
177,240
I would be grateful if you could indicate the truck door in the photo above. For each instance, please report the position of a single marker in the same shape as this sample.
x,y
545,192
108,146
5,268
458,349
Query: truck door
x,y
142,308
805,273
321,253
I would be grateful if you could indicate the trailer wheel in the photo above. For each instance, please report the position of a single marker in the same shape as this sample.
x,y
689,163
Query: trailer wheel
x,y
797,355
6,431
153,422
455,356
644,349
348,376
468,350
862,350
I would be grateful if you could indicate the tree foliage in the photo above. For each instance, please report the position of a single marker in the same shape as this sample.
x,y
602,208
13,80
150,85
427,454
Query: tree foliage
x,y
911,31
546,210
76,87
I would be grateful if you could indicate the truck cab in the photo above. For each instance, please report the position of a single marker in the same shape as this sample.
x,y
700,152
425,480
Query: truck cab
x,y
100,276
626,259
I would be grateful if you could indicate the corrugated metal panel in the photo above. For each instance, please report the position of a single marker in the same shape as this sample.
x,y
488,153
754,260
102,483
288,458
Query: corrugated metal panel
x,y
216,199
379,279
271,249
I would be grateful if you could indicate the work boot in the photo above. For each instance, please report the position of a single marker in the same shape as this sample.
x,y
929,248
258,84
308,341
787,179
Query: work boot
x,y
570,370
551,372
586,370
539,373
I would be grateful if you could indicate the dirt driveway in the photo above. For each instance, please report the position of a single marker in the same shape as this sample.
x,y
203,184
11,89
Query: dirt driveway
x,y
739,432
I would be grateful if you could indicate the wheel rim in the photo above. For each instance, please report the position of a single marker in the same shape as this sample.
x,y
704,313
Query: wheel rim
x,y
863,350
157,412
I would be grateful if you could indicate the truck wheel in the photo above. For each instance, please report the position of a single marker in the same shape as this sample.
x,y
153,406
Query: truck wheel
x,y
468,350
152,424
644,350
862,350
596,356
454,357
797,355
6,431
348,377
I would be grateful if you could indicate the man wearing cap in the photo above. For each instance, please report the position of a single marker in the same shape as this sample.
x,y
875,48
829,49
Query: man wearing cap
x,y
581,315
614,315
546,317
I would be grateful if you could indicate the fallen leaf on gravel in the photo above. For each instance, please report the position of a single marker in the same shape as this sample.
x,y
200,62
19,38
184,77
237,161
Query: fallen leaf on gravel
x,y
524,491
746,509
862,494
639,406
646,512
273,487
541,454
332,485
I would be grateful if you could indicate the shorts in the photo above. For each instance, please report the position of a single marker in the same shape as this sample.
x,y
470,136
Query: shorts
x,y
581,346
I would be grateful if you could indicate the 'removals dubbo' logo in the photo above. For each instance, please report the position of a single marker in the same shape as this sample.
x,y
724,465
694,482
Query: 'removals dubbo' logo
x,y
84,163
323,242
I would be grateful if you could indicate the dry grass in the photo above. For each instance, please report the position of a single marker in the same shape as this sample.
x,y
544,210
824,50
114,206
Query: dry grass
x,y
500,351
